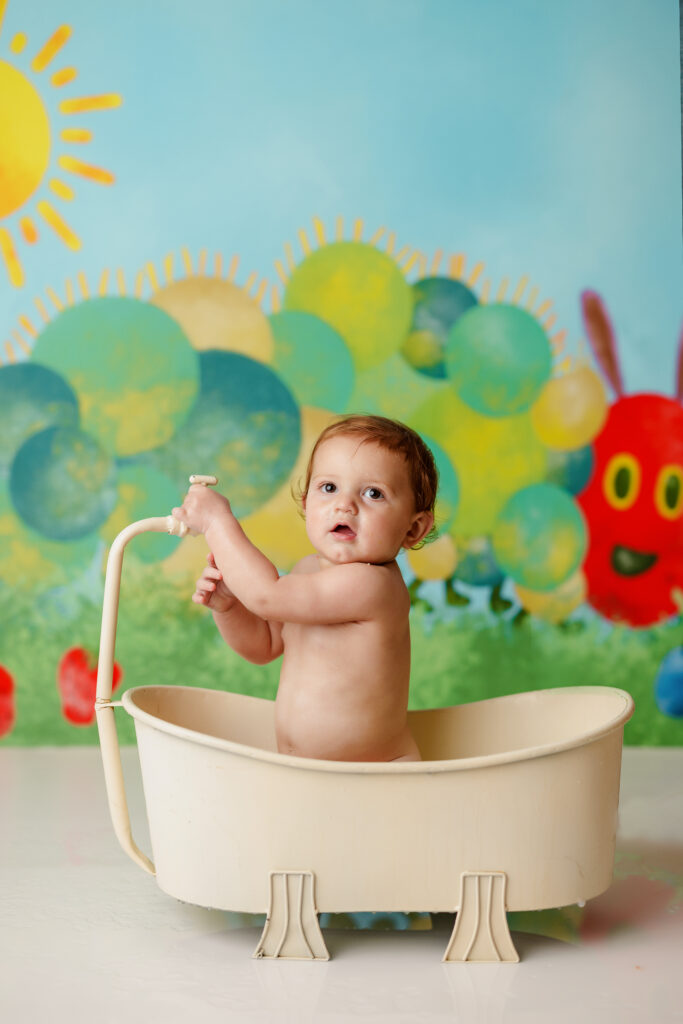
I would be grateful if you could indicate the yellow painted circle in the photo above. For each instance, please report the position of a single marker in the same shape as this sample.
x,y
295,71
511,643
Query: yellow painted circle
x,y
669,492
24,140
570,410
554,605
621,482
435,561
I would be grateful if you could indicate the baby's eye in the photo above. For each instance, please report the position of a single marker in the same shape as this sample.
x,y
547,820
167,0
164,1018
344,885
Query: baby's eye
x,y
328,488
374,493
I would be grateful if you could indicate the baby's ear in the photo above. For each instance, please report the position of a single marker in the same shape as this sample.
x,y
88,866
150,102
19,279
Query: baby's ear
x,y
421,525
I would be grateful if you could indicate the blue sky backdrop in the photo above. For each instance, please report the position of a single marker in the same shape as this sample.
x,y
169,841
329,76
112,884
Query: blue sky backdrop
x,y
542,138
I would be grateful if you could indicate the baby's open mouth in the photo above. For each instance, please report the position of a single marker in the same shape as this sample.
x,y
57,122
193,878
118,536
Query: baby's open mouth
x,y
341,530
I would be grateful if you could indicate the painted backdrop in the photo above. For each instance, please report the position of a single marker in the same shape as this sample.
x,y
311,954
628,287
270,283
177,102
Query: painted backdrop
x,y
222,225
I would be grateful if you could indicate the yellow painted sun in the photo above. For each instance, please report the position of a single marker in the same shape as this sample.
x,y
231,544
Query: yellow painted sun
x,y
30,163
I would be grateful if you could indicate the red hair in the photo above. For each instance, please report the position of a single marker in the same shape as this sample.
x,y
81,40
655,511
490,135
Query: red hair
x,y
394,437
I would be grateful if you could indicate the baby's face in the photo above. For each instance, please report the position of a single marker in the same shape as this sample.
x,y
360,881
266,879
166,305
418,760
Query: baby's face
x,y
360,505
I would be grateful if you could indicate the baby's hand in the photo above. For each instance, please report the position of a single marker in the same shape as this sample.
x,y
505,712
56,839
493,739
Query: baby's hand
x,y
201,507
211,591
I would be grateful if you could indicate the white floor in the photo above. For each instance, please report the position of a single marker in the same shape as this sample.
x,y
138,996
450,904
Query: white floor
x,y
85,936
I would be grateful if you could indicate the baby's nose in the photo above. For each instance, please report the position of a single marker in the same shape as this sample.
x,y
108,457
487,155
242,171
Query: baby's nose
x,y
345,503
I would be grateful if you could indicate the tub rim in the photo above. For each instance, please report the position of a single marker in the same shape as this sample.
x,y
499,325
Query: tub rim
x,y
384,767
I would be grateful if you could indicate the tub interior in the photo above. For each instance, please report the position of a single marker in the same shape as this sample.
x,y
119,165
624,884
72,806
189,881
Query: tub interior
x,y
534,720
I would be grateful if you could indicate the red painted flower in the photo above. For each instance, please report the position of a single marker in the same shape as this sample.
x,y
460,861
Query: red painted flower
x,y
77,685
7,708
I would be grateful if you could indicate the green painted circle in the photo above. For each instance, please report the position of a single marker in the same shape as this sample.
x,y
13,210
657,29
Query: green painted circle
x,y
497,359
360,292
312,359
540,537
439,303
32,398
62,483
142,492
245,428
448,494
132,367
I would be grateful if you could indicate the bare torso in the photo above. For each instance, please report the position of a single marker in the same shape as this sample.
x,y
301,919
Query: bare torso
x,y
343,690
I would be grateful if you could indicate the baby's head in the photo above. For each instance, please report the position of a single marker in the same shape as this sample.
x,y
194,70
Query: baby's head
x,y
412,464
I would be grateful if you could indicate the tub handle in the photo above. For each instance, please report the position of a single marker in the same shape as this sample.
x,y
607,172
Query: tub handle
x,y
104,707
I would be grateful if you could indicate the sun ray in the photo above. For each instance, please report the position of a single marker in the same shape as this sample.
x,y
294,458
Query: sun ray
x,y
152,275
436,262
12,262
500,294
10,353
422,270
378,235
28,230
391,242
550,322
402,253
201,263
56,301
104,283
339,229
18,42
559,339
275,303
69,289
63,77
83,284
249,283
289,254
187,260
28,326
415,257
121,281
232,269
218,265
485,292
51,48
76,135
168,267
476,273
21,342
139,282
83,104
62,190
357,230
40,306
97,174
517,294
281,273
533,295
305,244
456,265
59,226
261,291
319,229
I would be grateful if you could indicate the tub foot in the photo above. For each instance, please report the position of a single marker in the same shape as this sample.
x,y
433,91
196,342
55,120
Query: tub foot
x,y
292,931
481,933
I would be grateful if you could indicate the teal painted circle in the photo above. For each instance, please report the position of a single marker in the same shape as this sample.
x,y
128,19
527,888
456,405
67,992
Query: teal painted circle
x,y
32,398
540,537
142,492
448,494
570,470
312,359
62,483
477,563
131,365
439,304
497,359
245,428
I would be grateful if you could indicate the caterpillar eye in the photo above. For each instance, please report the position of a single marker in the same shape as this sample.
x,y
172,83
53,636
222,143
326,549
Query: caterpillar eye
x,y
669,492
621,482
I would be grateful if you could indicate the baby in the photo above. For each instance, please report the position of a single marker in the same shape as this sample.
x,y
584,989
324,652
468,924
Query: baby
x,y
340,617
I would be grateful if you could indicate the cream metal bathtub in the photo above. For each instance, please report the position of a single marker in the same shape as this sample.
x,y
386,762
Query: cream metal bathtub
x,y
514,807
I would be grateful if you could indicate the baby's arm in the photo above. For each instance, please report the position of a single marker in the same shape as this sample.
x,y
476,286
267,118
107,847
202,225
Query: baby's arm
x,y
346,593
250,636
